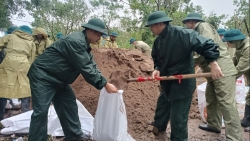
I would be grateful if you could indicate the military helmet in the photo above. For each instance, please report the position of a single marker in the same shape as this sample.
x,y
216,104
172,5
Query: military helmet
x,y
96,24
11,29
193,16
59,35
132,40
234,35
113,34
26,29
221,31
157,17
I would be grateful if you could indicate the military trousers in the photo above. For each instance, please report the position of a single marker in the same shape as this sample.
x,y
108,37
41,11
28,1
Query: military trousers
x,y
177,112
220,98
248,98
3,102
44,92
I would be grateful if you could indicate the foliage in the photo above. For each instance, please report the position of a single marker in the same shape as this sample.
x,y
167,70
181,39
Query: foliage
x,y
242,12
57,16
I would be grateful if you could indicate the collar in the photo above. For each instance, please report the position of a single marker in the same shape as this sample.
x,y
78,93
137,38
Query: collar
x,y
87,42
164,32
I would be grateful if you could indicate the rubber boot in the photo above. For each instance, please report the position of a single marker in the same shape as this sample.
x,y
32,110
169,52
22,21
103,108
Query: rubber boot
x,y
245,122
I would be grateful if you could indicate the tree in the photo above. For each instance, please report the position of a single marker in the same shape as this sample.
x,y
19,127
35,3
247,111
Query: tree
x,y
107,10
215,20
242,13
57,16
9,8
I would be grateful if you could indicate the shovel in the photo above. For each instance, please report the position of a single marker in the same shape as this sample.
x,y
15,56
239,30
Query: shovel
x,y
173,77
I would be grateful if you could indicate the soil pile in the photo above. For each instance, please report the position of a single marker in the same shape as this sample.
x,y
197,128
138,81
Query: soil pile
x,y
140,98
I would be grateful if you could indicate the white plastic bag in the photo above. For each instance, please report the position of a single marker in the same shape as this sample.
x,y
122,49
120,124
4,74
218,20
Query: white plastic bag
x,y
202,100
20,123
240,90
110,123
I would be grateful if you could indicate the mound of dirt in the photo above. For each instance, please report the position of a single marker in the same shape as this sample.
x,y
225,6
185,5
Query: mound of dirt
x,y
140,98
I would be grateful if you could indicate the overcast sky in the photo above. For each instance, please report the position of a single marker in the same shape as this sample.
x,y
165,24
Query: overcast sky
x,y
220,7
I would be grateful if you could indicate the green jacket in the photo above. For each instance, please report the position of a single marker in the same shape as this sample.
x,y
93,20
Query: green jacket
x,y
172,55
65,59
242,58
225,62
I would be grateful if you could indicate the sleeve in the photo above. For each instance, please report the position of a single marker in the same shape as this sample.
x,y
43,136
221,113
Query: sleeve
x,y
4,41
154,56
33,53
243,64
203,46
82,61
206,30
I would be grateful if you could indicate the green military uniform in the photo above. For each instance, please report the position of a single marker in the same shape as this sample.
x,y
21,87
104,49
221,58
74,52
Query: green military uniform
x,y
142,46
231,51
241,61
111,44
50,77
174,101
220,94
43,43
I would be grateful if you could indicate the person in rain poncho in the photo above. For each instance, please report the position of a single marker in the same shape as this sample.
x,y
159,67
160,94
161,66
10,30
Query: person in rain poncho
x,y
20,53
51,75
142,46
235,39
231,51
172,55
3,101
220,94
111,42
41,40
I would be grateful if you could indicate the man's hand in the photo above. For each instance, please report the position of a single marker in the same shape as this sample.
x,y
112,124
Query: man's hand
x,y
155,73
216,72
110,88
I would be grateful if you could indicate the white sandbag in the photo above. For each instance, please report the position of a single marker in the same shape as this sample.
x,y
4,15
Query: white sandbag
x,y
202,100
240,90
110,123
20,123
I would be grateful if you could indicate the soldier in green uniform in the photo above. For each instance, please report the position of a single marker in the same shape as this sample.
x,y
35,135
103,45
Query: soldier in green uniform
x,y
231,51
51,75
236,39
220,94
142,46
172,55
111,42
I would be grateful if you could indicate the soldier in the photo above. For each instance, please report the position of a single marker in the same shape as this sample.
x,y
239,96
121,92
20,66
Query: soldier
x,y
172,55
41,40
20,54
220,94
3,101
231,51
51,75
59,35
111,42
142,46
235,39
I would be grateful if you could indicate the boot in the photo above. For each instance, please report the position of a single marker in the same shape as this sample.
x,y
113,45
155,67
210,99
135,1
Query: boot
x,y
245,122
156,130
25,104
